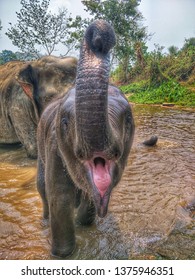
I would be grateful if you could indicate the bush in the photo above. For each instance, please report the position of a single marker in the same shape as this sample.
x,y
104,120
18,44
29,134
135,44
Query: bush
x,y
165,78
167,92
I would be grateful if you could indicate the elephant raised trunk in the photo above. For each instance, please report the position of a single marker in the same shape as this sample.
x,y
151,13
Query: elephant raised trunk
x,y
92,79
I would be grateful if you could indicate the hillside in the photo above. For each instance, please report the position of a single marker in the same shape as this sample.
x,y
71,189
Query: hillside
x,y
162,78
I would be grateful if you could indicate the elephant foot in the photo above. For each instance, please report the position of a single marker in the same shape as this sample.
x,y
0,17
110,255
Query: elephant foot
x,y
61,253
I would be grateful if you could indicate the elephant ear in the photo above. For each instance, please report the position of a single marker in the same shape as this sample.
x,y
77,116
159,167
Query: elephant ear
x,y
27,88
28,80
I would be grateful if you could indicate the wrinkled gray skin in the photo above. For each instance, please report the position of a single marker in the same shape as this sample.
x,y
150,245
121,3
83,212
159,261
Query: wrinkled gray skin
x,y
26,88
84,141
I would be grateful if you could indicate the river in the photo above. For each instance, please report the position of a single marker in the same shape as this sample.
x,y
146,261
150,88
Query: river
x,y
152,210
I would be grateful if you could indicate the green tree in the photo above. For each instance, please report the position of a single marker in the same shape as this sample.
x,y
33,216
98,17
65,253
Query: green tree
x,y
6,56
189,43
75,32
157,54
127,22
173,50
0,27
37,28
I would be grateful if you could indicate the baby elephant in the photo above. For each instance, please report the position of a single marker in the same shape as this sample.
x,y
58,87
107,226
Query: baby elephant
x,y
84,141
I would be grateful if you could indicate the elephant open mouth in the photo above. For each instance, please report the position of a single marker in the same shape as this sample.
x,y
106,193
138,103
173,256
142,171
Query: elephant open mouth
x,y
100,174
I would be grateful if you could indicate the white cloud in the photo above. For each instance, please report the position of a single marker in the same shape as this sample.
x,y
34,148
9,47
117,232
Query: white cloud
x,y
171,21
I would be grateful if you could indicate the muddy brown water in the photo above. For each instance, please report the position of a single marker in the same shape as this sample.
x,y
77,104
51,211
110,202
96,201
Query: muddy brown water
x,y
151,212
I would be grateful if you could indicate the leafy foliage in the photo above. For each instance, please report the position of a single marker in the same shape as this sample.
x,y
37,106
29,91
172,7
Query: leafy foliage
x,y
156,75
165,77
167,92
173,50
189,43
75,32
37,28
181,66
127,22
6,56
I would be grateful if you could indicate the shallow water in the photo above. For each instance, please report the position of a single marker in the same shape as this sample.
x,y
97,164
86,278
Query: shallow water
x,y
151,212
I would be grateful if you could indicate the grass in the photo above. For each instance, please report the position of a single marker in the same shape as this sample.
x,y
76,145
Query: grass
x,y
168,92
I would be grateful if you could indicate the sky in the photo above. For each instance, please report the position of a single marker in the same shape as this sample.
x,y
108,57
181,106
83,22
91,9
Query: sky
x,y
170,21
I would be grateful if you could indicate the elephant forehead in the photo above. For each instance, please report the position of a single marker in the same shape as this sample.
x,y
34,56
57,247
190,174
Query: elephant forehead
x,y
48,77
52,87
117,105
55,75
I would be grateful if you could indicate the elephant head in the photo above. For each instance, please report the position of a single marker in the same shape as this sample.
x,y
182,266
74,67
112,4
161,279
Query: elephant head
x,y
26,88
46,78
103,126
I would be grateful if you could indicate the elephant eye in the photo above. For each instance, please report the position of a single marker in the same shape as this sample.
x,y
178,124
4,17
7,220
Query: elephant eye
x,y
128,118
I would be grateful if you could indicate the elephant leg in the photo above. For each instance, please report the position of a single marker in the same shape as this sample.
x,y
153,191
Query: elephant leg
x,y
86,211
41,187
61,198
62,224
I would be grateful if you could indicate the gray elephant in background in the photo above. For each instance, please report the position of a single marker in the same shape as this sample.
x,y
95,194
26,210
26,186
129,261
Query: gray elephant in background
x,y
26,88
84,140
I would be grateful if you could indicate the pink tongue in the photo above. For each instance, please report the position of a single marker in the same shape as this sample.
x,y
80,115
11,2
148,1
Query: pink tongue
x,y
101,177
